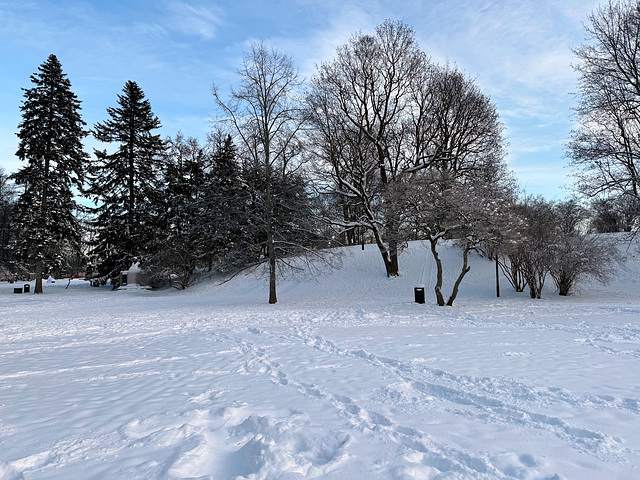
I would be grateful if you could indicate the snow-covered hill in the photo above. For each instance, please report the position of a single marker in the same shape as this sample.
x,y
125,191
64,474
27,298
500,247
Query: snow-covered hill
x,y
358,278
346,377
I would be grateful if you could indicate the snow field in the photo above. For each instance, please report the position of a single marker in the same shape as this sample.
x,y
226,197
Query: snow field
x,y
345,378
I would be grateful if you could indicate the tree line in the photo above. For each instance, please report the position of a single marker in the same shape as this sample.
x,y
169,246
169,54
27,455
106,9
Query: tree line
x,y
382,145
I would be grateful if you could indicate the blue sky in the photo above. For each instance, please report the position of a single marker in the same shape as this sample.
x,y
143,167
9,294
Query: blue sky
x,y
518,51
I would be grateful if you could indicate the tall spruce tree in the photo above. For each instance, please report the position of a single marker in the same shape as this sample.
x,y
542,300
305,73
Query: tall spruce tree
x,y
125,184
50,134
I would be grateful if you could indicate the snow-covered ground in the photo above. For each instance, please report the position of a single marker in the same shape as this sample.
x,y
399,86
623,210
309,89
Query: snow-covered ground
x,y
345,378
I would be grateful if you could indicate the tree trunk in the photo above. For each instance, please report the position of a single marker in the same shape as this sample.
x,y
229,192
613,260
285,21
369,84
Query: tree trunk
x,y
497,278
349,235
564,283
271,248
536,283
514,272
541,278
393,259
388,263
465,270
438,287
272,279
39,268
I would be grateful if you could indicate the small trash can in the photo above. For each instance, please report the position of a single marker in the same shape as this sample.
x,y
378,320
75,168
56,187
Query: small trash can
x,y
27,287
419,294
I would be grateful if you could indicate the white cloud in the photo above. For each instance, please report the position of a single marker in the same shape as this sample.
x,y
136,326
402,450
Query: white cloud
x,y
340,20
150,29
198,20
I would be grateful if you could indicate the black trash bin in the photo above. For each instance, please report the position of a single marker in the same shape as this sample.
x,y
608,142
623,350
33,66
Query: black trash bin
x,y
419,294
27,287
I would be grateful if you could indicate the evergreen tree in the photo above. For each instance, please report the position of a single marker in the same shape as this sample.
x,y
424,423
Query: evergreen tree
x,y
298,234
50,134
221,225
6,205
176,252
125,184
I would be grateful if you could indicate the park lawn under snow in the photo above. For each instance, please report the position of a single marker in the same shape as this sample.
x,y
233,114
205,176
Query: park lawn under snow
x,y
345,378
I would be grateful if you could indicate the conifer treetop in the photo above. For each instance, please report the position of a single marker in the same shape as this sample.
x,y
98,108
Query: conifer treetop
x,y
51,130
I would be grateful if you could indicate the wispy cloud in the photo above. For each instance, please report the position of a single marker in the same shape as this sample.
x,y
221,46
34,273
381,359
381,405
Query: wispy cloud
x,y
518,51
514,47
150,29
198,20
335,21
344,21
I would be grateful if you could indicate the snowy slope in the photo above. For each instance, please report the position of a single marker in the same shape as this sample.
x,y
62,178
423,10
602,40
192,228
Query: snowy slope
x,y
360,279
345,377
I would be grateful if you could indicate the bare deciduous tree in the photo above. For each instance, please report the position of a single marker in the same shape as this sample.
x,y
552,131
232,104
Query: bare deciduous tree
x,y
383,113
358,104
578,255
472,211
554,241
267,119
512,266
535,249
605,148
613,214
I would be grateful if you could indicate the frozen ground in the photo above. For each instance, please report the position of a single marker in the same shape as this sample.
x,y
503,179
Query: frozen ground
x,y
345,378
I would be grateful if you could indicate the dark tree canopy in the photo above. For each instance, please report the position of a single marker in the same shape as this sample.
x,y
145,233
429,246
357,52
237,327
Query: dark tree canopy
x,y
613,214
576,254
174,254
221,223
7,257
50,134
205,217
125,184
